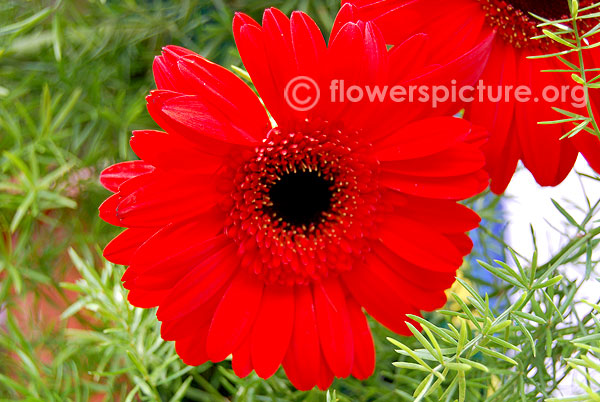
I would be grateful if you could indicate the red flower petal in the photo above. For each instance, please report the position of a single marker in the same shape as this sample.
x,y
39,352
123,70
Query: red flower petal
x,y
364,350
241,360
348,13
379,299
251,42
456,161
191,112
146,298
423,299
166,273
445,216
121,249
414,242
181,327
542,148
137,182
460,72
325,375
309,44
192,349
422,138
278,40
207,130
503,151
376,55
346,62
424,278
113,176
170,152
333,322
108,210
463,26
399,19
589,146
197,287
167,200
175,237
449,188
418,46
223,91
165,70
290,365
461,241
303,358
234,316
272,329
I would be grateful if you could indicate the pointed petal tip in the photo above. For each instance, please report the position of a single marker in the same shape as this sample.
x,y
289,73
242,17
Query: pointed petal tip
x,y
348,7
241,19
298,13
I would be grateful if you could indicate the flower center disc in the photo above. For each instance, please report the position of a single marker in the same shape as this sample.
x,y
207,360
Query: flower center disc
x,y
551,9
301,198
514,23
303,205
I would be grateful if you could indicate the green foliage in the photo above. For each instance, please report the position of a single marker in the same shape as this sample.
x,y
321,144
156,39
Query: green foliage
x,y
586,361
575,36
519,349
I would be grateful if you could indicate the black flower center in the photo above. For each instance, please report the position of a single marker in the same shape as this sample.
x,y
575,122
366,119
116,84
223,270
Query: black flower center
x,y
551,9
301,198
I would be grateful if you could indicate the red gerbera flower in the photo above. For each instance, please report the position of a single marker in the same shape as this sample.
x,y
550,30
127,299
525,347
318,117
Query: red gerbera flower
x,y
266,242
514,130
